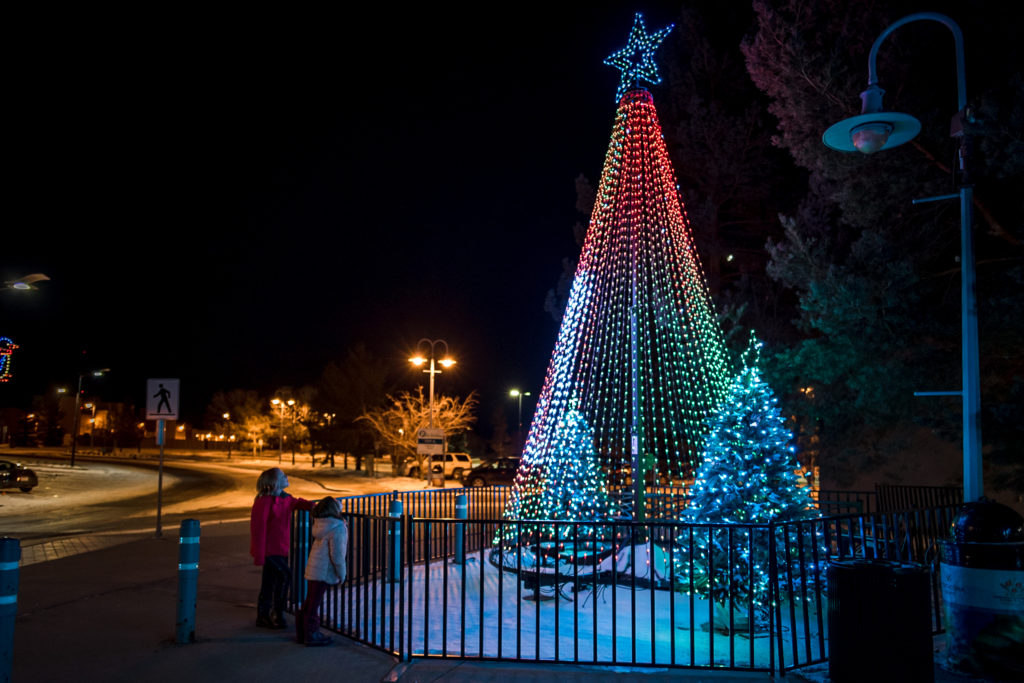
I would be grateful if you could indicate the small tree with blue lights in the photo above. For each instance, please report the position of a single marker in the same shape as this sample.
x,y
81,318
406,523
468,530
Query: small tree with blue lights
x,y
571,487
749,475
574,486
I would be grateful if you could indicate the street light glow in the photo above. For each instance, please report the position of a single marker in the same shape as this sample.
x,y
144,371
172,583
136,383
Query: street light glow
x,y
417,360
447,362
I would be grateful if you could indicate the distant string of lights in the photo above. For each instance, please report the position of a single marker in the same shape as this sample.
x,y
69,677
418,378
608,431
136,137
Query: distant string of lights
x,y
7,347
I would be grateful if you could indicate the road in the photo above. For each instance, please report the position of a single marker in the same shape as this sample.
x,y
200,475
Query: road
x,y
119,494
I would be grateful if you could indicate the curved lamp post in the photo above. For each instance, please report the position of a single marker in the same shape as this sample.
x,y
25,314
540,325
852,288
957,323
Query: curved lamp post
x,y
875,130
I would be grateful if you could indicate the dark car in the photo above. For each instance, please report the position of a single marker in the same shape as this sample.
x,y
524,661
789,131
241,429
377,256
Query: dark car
x,y
14,476
492,473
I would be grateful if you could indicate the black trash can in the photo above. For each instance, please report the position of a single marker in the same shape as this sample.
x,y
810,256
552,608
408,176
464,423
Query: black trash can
x,y
982,568
879,622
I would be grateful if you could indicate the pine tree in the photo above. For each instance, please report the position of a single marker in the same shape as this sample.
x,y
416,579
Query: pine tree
x,y
749,468
748,476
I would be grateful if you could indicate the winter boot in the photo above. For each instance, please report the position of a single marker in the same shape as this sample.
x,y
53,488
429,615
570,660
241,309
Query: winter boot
x,y
317,639
278,621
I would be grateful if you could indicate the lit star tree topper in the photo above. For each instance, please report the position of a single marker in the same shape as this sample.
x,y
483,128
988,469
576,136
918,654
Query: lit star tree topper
x,y
636,60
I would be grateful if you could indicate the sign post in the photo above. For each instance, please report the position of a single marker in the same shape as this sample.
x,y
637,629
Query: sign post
x,y
161,404
429,441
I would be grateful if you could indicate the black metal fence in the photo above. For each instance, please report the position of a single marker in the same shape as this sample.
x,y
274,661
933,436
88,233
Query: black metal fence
x,y
425,584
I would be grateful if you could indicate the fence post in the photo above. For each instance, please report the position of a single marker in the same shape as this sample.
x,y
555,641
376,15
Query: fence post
x,y
188,575
10,554
461,512
395,540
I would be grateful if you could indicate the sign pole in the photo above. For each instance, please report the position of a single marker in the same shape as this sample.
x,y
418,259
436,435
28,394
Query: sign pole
x,y
161,405
159,476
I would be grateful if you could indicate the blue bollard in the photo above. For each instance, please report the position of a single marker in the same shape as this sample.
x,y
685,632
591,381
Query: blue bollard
x,y
10,554
188,576
461,512
395,540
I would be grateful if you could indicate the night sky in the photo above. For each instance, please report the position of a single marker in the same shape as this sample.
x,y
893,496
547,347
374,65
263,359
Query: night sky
x,y
236,199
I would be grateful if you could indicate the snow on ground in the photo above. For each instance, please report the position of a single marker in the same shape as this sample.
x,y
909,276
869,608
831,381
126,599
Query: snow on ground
x,y
475,610
83,484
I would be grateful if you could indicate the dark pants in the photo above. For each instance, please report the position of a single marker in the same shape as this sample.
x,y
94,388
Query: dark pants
x,y
307,620
274,588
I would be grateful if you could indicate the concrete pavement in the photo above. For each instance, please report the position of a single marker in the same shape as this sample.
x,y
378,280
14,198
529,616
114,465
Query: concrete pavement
x,y
103,608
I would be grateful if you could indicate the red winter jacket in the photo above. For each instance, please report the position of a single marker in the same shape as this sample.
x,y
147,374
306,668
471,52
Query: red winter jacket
x,y
270,525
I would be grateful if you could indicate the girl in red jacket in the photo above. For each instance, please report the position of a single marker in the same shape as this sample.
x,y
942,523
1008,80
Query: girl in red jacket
x,y
270,526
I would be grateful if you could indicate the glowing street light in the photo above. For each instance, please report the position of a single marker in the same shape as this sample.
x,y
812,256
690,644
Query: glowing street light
x,y
280,442
874,130
445,361
515,393
227,418
78,395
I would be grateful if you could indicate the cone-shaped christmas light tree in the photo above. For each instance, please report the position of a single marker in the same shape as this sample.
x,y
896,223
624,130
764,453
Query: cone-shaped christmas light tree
x,y
639,354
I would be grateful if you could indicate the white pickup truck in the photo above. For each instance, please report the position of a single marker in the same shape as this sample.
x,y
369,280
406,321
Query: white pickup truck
x,y
452,464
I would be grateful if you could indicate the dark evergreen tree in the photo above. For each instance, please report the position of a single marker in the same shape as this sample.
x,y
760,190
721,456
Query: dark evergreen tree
x,y
876,277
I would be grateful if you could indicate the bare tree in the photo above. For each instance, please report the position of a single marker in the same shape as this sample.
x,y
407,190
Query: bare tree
x,y
399,421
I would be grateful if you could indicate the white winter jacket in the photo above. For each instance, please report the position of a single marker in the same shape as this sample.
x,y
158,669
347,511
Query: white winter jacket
x,y
327,556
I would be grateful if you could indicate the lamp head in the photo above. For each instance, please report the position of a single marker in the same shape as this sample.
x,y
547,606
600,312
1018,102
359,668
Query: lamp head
x,y
513,393
873,129
417,360
447,362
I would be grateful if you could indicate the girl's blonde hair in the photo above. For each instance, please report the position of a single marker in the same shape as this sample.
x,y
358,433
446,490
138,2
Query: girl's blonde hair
x,y
327,507
269,482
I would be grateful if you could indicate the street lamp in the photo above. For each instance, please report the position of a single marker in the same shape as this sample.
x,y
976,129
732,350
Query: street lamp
x,y
78,395
874,130
227,418
291,404
446,361
280,442
515,393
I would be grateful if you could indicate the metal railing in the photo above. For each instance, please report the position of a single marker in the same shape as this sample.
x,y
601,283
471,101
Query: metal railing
x,y
604,593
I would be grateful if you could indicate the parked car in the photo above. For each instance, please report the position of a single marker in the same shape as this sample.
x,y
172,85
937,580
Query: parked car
x,y
14,476
492,473
452,464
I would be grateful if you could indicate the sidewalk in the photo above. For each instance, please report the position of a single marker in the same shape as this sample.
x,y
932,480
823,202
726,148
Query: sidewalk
x,y
98,611
101,610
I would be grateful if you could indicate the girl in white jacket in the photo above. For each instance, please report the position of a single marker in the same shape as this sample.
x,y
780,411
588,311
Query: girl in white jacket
x,y
326,567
